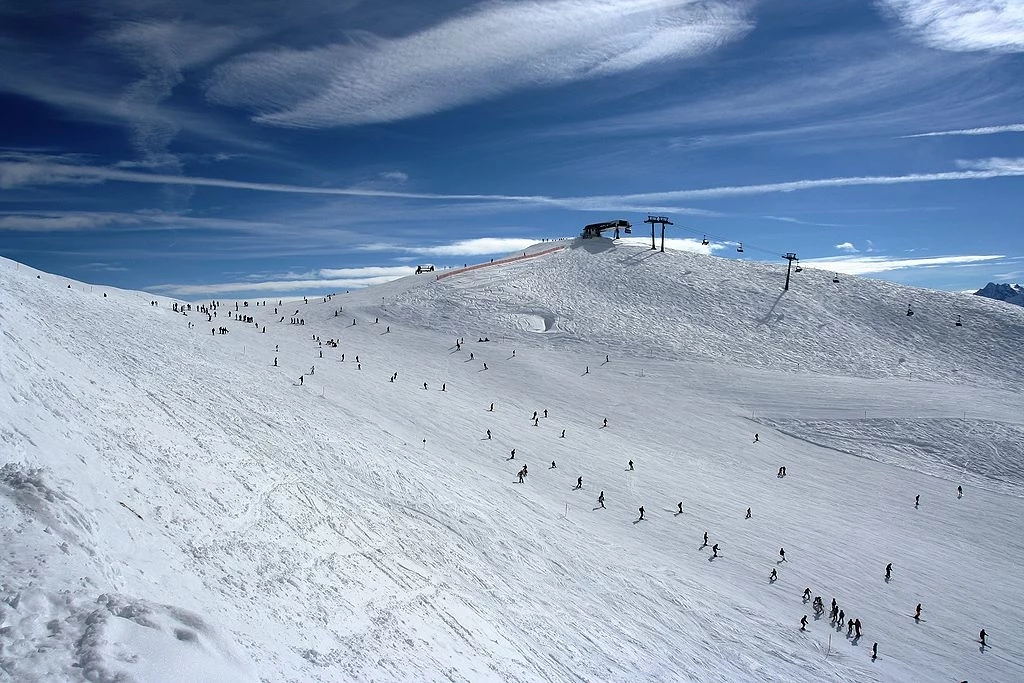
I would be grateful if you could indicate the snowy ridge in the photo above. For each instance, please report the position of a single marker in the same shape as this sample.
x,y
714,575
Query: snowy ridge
x,y
198,512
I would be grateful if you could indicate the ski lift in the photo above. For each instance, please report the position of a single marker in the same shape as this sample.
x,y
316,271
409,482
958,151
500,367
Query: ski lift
x,y
910,311
740,248
705,241
958,323
835,278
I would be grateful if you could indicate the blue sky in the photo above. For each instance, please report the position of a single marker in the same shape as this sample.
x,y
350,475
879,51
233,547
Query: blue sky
x,y
228,149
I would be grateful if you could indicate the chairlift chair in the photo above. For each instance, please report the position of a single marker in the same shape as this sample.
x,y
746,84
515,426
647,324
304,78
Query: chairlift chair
x,y
705,241
740,248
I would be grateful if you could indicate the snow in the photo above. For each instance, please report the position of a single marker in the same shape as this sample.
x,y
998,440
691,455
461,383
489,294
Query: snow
x,y
177,508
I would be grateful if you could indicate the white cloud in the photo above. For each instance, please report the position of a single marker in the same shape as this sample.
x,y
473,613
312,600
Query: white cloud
x,y
962,25
495,48
865,265
986,130
480,246
679,244
846,246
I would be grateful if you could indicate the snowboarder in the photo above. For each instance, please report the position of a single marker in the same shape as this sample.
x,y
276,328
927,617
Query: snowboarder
x,y
803,623
983,635
959,492
917,613
579,483
680,508
774,576
630,465
641,512
888,571
600,499
714,550
748,514
782,554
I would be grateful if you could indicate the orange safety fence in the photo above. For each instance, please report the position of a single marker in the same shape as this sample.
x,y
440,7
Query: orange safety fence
x,y
457,271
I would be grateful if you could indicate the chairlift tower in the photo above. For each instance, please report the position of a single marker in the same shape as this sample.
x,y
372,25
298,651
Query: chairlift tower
x,y
789,256
658,220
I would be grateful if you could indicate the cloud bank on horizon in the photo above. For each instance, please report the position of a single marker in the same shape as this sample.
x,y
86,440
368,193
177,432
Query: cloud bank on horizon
x,y
312,147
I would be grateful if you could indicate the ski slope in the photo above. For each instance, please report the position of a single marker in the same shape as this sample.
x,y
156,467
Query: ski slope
x,y
176,507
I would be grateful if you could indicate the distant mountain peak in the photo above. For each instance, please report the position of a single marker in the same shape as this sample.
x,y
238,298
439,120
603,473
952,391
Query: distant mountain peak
x,y
1010,293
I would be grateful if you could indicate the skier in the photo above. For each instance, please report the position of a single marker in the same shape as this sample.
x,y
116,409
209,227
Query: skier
x,y
917,612
803,623
579,483
630,465
641,512
888,571
983,635
782,554
680,508
748,514
600,499
774,576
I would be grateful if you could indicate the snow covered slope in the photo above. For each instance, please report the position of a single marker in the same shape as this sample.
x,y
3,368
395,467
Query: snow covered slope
x,y
176,506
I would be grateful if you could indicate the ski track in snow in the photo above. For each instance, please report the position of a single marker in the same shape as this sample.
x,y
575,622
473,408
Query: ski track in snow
x,y
357,529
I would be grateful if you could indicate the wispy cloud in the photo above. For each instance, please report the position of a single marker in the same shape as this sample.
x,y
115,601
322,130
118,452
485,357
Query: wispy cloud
x,y
962,25
480,54
17,173
866,265
846,246
986,130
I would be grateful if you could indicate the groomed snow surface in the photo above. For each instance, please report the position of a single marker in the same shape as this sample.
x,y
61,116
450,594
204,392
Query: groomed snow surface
x,y
176,507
